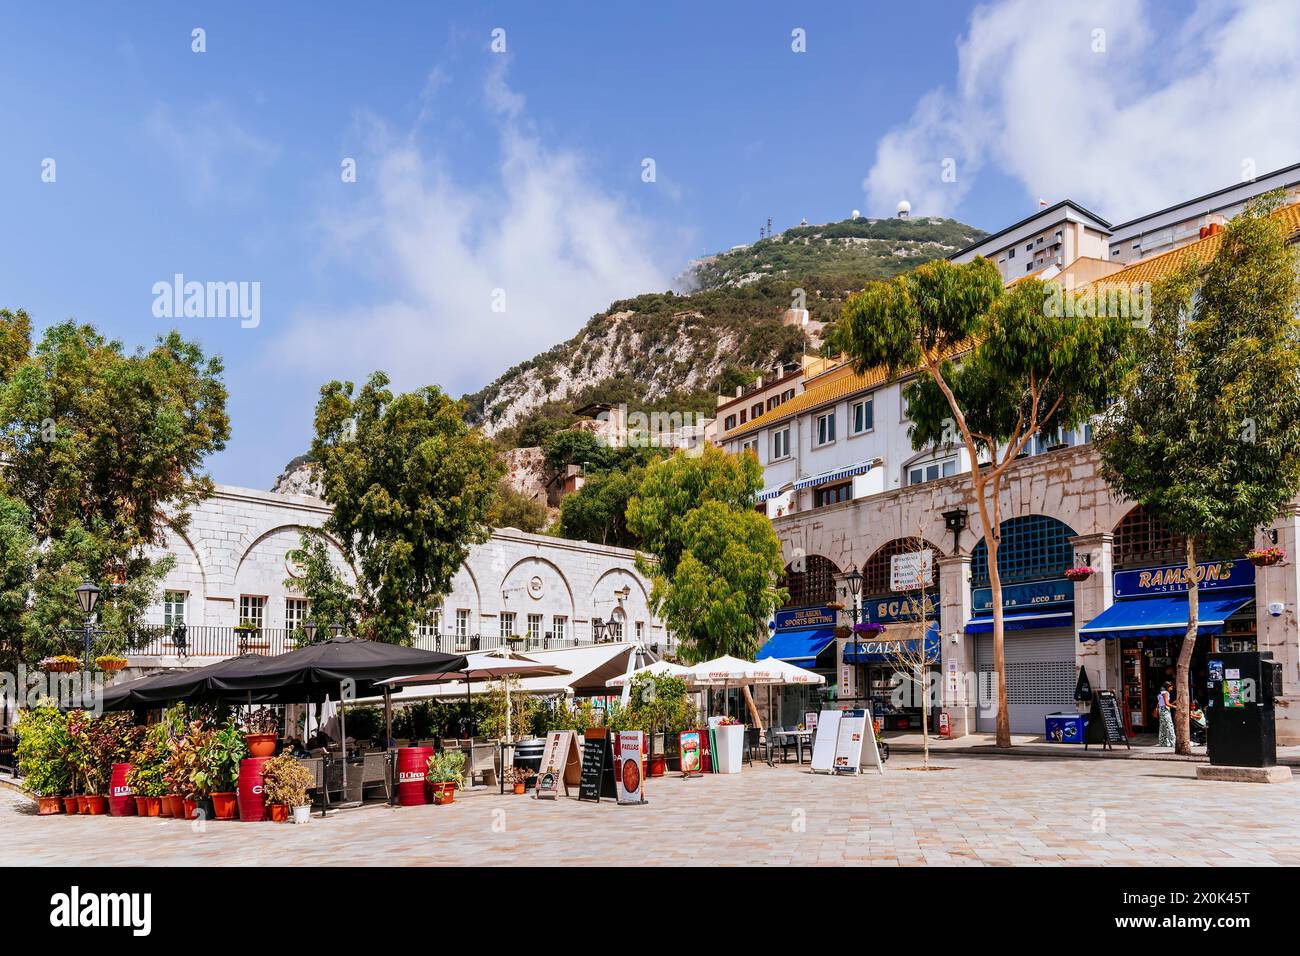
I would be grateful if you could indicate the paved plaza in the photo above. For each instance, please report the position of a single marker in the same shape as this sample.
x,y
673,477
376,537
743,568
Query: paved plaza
x,y
981,811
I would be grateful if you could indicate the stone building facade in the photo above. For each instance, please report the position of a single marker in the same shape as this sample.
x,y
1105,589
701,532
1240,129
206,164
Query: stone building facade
x,y
232,564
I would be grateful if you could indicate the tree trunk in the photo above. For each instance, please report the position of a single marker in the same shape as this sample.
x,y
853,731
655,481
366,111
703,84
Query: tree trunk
x,y
995,585
1182,682
925,710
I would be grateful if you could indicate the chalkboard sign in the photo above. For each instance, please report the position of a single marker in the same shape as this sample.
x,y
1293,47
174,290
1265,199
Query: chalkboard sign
x,y
1105,725
597,777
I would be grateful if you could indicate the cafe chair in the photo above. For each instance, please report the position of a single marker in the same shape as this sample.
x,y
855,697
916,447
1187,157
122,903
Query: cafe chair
x,y
753,742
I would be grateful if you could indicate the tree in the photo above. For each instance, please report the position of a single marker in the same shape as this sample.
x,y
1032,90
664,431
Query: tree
x,y
1207,432
104,452
411,486
597,511
330,595
513,509
18,559
713,560
1023,370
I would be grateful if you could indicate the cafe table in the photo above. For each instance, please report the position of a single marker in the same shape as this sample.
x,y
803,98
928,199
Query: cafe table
x,y
799,737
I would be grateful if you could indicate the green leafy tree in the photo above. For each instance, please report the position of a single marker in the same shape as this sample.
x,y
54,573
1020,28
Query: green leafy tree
x,y
104,450
514,509
18,560
713,560
411,486
597,511
1024,370
1207,433
329,591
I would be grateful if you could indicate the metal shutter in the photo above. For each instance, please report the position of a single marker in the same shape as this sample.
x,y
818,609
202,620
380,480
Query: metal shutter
x,y
1040,677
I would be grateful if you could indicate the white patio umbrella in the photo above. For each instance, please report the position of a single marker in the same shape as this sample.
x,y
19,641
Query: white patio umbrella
x,y
727,671
486,665
657,669
789,674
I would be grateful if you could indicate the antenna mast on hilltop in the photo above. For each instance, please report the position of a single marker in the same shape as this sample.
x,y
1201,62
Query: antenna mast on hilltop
x,y
769,226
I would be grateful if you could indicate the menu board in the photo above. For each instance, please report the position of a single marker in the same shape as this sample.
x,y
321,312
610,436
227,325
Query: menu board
x,y
1105,725
848,741
629,774
688,745
595,765
557,756
828,728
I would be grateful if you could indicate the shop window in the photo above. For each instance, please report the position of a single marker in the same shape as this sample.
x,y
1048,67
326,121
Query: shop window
x,y
832,494
813,584
1032,548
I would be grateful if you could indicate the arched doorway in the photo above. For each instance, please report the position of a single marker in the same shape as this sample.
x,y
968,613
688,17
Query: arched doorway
x,y
803,633
887,670
1038,619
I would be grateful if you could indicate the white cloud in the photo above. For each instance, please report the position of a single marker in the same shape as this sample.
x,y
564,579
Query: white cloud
x,y
1158,117
219,157
542,230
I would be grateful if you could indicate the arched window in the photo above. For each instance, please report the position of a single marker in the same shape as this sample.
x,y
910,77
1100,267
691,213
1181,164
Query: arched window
x,y
1142,540
815,584
875,573
1032,548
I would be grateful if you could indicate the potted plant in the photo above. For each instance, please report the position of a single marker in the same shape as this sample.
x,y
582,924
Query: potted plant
x,y
260,732
868,629
148,767
518,778
284,785
1081,573
110,662
225,749
60,664
42,757
835,605
246,634
446,774
1265,557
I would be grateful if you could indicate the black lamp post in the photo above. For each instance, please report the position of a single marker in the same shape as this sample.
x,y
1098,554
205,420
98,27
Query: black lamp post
x,y
309,631
598,630
87,597
854,580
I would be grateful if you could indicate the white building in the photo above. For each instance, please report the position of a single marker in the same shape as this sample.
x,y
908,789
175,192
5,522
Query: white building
x,y
232,565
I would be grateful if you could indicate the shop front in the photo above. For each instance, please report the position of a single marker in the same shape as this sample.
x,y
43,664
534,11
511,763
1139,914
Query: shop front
x,y
890,668
805,637
1149,620
1038,651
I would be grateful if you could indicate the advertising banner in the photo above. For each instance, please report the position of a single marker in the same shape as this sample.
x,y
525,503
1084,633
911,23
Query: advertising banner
x,y
627,767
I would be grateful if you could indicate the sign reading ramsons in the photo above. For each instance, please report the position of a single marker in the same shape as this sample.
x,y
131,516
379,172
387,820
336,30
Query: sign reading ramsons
x,y
1172,579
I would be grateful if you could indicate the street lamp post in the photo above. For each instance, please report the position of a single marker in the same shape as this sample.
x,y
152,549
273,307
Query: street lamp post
x,y
87,597
598,630
854,580
309,631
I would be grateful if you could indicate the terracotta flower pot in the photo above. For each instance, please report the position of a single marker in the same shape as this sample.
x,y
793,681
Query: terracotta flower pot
x,y
519,789
260,745
190,809
176,804
279,812
444,793
96,806
153,806
83,804
165,806
223,806
141,806
70,806
45,806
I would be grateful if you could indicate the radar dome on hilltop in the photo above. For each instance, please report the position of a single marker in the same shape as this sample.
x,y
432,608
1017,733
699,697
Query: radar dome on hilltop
x,y
904,209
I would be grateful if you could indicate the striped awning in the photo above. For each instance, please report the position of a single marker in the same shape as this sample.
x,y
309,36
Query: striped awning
x,y
767,494
826,477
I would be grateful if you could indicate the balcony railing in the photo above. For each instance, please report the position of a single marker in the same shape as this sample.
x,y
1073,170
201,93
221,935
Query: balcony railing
x,y
205,640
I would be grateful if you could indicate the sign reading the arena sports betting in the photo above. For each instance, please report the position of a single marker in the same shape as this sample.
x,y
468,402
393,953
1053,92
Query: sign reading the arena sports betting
x,y
805,617
1172,579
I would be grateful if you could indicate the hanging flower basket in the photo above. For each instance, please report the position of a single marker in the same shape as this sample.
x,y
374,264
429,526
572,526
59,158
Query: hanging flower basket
x,y
1265,557
868,629
60,664
110,662
1081,573
835,605
842,631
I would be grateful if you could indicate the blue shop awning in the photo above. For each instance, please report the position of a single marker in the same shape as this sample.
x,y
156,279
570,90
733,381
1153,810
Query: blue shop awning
x,y
1164,615
797,646
826,477
1021,621
884,650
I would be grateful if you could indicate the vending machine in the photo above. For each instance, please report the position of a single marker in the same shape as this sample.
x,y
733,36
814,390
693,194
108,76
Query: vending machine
x,y
1241,687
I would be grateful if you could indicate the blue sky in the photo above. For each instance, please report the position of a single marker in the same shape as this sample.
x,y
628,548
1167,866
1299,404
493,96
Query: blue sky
x,y
480,171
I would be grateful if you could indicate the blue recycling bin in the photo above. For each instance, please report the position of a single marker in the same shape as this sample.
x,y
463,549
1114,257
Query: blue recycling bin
x,y
1065,728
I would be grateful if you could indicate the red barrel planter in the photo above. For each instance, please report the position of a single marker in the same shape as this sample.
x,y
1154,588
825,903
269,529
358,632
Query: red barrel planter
x,y
49,805
412,768
121,802
249,792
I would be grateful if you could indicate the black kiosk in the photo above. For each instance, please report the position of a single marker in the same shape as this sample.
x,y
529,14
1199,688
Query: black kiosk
x,y
1242,687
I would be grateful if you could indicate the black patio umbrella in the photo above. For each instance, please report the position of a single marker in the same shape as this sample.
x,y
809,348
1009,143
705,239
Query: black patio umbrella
x,y
192,684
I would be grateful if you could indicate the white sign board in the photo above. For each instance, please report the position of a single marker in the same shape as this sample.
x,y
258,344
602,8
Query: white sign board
x,y
628,783
855,744
911,571
828,728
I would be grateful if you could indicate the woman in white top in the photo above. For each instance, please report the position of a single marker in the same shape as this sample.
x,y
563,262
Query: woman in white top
x,y
1165,712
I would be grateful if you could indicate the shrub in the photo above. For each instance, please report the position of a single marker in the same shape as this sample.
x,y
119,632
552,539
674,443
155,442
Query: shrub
x,y
43,748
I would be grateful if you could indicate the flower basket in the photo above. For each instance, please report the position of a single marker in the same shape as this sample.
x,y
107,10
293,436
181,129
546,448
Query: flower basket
x,y
835,605
842,631
61,664
868,629
1265,557
1079,573
110,662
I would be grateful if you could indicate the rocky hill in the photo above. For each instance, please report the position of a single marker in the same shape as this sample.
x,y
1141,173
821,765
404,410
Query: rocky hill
x,y
674,351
